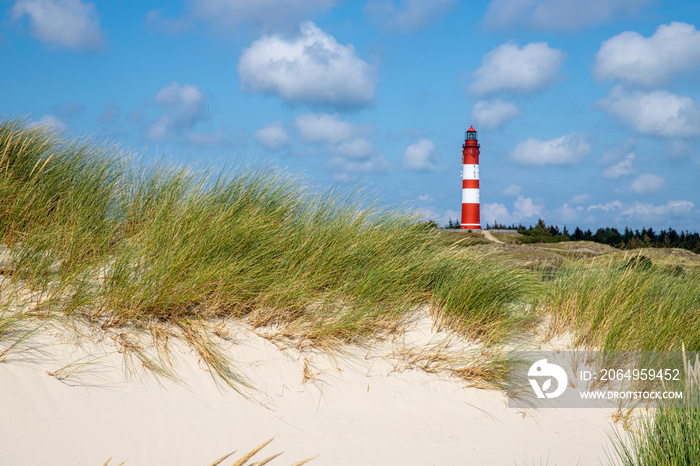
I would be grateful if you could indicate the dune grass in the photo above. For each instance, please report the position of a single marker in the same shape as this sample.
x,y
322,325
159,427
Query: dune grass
x,y
92,233
15,331
626,306
670,437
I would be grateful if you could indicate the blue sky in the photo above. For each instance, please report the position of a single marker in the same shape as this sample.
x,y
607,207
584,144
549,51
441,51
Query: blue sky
x,y
588,112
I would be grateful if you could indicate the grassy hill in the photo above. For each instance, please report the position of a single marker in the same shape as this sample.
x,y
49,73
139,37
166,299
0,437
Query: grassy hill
x,y
548,256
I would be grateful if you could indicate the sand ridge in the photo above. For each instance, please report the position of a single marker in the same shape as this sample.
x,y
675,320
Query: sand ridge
x,y
364,405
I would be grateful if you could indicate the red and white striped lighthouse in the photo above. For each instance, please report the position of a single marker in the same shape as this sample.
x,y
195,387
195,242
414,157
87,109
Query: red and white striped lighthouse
x,y
470,181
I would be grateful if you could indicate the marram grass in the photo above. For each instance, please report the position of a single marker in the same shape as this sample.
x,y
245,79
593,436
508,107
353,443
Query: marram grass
x,y
92,233
670,437
622,307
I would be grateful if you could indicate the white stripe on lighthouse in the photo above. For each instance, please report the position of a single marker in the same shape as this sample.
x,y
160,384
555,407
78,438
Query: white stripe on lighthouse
x,y
470,196
470,172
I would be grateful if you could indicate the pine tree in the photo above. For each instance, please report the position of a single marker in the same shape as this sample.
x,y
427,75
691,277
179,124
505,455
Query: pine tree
x,y
541,229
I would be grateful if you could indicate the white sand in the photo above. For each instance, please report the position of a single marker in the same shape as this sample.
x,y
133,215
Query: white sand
x,y
364,408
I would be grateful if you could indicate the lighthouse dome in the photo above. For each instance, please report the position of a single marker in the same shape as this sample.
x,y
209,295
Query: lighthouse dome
x,y
471,133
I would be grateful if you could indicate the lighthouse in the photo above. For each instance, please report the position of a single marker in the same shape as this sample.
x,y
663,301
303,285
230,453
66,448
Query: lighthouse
x,y
470,181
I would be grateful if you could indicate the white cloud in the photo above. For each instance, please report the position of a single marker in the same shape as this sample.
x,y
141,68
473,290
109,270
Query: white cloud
x,y
618,152
187,98
624,214
356,148
346,170
579,199
568,213
644,213
558,15
676,207
624,167
266,14
523,208
51,121
70,24
574,210
339,136
323,127
184,107
491,114
450,214
312,68
607,207
648,183
526,207
411,15
495,213
272,136
510,68
420,156
652,61
656,113
512,190
564,150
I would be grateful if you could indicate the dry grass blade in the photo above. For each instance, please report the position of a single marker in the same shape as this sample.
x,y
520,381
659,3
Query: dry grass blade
x,y
120,464
6,351
222,459
74,368
305,461
211,355
266,460
252,453
478,368
130,346
13,328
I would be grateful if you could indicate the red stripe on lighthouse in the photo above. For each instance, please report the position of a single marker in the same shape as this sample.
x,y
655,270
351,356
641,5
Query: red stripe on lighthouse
x,y
470,184
470,213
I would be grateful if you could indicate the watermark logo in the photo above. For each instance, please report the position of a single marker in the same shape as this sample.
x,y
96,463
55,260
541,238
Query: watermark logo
x,y
542,368
598,379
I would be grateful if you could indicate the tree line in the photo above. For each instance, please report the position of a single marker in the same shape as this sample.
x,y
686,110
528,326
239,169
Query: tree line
x,y
628,239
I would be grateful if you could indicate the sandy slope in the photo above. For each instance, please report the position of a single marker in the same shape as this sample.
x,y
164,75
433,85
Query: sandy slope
x,y
365,407
489,236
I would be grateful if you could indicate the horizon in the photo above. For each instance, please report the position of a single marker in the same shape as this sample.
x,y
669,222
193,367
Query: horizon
x,y
588,115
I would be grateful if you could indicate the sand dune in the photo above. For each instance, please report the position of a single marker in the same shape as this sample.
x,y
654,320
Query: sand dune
x,y
362,406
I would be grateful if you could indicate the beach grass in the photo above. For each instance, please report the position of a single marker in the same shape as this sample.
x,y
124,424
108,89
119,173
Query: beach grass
x,y
669,437
90,232
628,305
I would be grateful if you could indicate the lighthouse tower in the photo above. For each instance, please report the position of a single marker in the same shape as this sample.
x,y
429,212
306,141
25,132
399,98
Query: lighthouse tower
x,y
470,181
